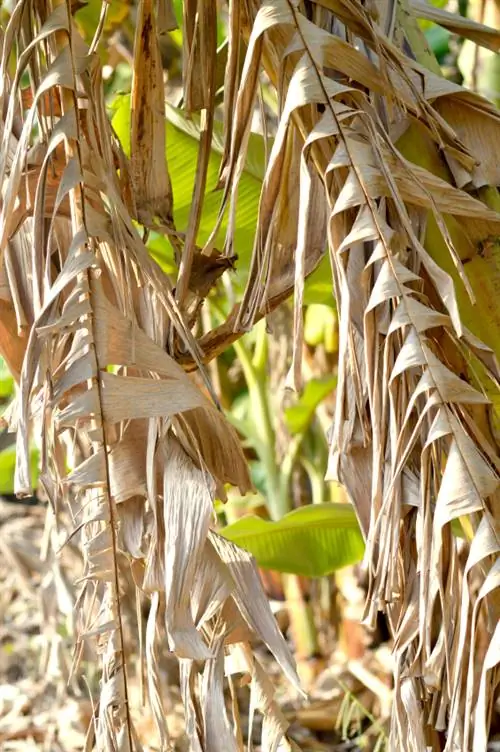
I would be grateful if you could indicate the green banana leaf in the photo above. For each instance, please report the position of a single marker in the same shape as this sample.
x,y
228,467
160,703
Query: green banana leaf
x,y
7,467
321,326
313,541
318,287
182,141
439,41
299,416
87,16
182,153
6,381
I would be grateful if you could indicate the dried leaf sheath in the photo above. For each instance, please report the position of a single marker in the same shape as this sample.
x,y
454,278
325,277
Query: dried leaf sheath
x,y
149,171
200,95
147,450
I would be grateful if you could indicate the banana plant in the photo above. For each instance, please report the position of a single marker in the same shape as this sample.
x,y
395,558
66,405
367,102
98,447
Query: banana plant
x,y
312,540
254,415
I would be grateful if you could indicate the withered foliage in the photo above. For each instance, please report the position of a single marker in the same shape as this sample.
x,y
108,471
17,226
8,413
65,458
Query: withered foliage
x,y
100,340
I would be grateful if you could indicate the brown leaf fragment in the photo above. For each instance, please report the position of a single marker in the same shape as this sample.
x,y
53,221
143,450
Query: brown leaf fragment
x,y
464,27
187,497
149,171
166,19
252,602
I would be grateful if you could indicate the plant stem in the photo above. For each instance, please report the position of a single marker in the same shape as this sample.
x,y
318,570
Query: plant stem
x,y
302,625
261,415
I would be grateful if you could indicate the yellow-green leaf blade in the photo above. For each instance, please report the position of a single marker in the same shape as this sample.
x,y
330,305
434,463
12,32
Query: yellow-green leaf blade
x,y
313,541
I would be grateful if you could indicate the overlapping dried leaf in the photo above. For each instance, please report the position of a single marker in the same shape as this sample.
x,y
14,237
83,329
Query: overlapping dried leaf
x,y
129,442
408,439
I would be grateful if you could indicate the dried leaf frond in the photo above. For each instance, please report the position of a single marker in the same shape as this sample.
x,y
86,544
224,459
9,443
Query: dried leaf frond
x,y
130,443
406,440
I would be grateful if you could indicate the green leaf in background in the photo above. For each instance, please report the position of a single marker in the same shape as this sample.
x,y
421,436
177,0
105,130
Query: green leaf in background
x,y
439,41
183,137
259,477
6,381
423,23
87,18
313,541
318,286
299,416
177,34
321,327
7,467
182,155
437,37
162,252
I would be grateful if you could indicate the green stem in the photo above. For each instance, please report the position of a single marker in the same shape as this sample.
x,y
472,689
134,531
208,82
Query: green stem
x,y
490,196
286,469
302,625
317,481
257,388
